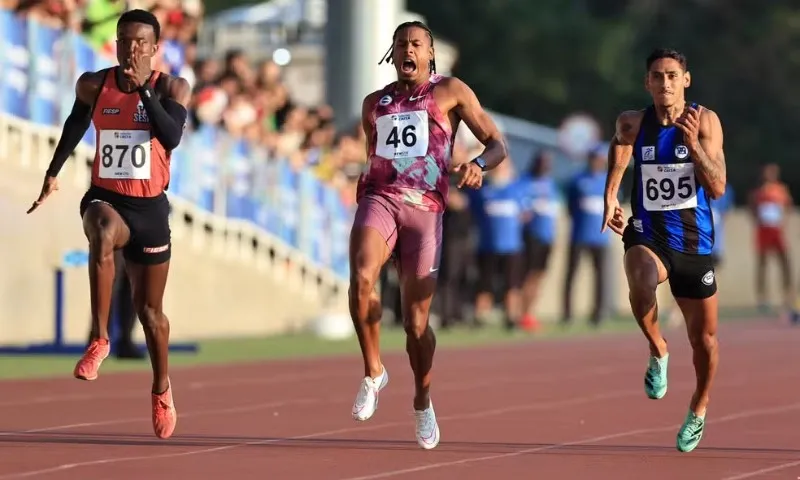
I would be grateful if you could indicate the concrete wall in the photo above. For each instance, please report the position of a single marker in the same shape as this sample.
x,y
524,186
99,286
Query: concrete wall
x,y
218,286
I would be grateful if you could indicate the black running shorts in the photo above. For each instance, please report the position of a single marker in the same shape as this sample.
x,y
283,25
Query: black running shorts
x,y
690,276
146,218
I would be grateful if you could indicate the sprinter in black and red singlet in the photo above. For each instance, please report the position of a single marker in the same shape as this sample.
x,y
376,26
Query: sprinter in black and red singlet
x,y
139,116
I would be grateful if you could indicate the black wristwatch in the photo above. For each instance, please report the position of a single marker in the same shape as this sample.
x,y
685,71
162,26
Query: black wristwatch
x,y
481,163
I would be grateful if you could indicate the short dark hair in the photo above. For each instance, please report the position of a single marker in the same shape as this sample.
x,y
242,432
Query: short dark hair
x,y
141,16
416,23
660,53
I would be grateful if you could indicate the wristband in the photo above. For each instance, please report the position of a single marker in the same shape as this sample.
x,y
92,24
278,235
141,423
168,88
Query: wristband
x,y
146,91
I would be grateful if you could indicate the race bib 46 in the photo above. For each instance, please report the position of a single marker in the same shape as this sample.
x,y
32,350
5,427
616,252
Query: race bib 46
x,y
402,135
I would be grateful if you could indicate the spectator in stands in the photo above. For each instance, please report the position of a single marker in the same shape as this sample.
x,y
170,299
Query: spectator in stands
x,y
457,258
542,205
497,208
770,204
586,203
50,13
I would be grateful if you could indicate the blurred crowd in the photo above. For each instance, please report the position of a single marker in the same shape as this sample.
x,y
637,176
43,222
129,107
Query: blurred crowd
x,y
247,101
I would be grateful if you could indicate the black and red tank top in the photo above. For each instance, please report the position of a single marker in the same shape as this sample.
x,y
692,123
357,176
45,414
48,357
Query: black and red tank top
x,y
129,160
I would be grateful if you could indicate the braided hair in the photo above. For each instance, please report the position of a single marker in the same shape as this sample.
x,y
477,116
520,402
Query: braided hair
x,y
387,57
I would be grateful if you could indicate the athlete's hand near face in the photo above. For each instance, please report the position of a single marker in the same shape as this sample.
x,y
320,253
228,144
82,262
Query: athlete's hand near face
x,y
139,69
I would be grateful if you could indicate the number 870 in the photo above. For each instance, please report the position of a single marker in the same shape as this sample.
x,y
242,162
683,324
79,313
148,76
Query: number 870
x,y
138,154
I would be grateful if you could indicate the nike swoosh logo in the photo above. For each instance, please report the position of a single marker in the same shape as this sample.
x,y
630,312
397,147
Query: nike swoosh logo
x,y
414,99
433,270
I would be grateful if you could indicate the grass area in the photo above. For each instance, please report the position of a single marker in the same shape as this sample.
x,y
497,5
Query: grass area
x,y
304,345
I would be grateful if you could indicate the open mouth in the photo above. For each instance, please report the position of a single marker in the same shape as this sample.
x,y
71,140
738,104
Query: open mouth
x,y
408,66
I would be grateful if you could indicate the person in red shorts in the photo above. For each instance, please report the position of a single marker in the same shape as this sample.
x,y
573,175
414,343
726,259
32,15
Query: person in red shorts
x,y
769,205
410,127
139,115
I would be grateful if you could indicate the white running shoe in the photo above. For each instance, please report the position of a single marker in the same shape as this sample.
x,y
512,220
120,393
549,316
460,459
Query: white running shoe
x,y
427,428
367,397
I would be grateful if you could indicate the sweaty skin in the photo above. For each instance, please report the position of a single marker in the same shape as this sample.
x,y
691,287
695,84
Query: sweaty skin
x,y
702,134
368,249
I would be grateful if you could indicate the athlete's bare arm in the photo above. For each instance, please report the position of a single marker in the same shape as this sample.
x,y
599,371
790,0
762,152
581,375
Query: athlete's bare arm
x,y
367,107
469,109
619,156
621,150
703,133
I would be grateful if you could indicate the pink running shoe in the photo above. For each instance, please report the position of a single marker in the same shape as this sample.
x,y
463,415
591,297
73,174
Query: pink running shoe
x,y
90,362
164,415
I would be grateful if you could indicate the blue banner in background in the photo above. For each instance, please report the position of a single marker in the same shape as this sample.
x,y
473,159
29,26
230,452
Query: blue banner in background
x,y
44,75
213,170
83,59
288,204
15,58
340,218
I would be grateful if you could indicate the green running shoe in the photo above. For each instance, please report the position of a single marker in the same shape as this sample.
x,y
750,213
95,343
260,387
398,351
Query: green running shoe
x,y
691,432
655,378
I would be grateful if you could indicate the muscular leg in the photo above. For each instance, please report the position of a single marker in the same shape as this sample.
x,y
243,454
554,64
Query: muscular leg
x,y
372,239
148,283
368,253
701,325
417,295
106,231
645,272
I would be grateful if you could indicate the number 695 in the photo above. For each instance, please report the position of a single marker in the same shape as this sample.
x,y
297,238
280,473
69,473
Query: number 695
x,y
666,189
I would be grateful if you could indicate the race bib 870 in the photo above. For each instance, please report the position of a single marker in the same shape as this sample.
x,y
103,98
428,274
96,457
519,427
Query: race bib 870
x,y
402,135
669,187
124,154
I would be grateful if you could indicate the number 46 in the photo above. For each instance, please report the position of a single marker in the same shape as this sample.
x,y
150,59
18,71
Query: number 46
x,y
409,136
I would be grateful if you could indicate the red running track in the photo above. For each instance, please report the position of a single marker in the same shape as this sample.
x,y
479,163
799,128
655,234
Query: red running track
x,y
571,409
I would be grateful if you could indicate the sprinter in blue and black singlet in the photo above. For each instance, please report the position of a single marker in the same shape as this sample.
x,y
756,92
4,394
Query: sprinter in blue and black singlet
x,y
679,167
671,210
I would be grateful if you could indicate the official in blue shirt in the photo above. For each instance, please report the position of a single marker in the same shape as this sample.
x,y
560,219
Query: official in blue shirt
x,y
497,210
586,200
720,208
542,205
